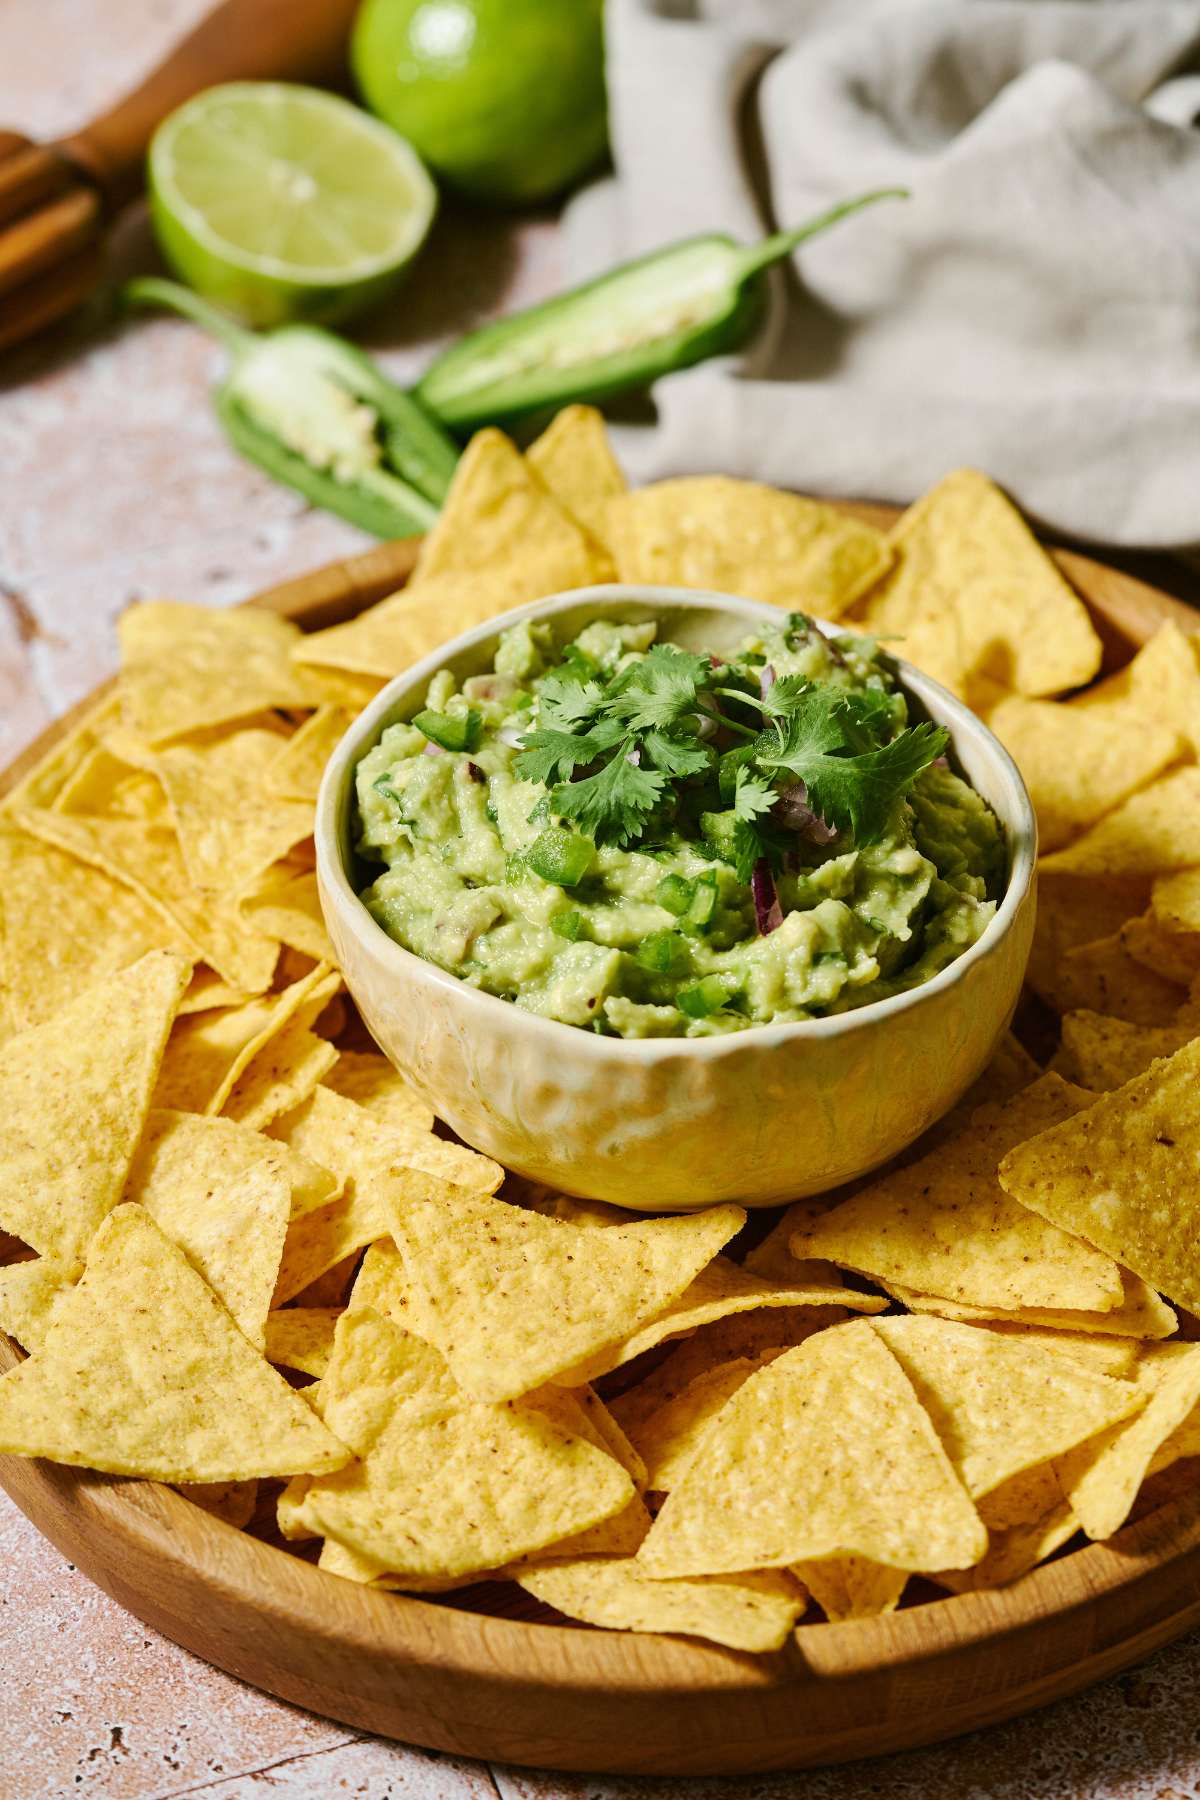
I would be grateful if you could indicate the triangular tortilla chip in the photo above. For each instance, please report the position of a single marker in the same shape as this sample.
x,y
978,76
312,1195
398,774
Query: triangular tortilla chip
x,y
976,601
296,772
144,855
574,460
1175,955
65,925
1123,1175
356,1140
738,537
29,1293
1141,1314
44,780
284,904
178,1147
1160,685
185,668
1101,1478
444,1485
1103,1053
74,1094
209,1051
1013,1553
514,1300
748,1612
230,826
824,1452
231,1231
1079,763
1002,1405
1152,833
280,1077
372,1083
943,1224
850,1587
668,1437
1105,977
143,1372
231,1501
301,1337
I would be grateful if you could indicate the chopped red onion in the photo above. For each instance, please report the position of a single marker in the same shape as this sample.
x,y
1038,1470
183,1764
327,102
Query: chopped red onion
x,y
511,735
768,914
433,750
766,680
793,812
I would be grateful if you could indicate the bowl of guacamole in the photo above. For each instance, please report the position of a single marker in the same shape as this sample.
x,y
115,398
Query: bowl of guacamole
x,y
665,831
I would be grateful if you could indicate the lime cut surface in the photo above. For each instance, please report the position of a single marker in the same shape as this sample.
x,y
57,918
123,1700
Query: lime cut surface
x,y
282,202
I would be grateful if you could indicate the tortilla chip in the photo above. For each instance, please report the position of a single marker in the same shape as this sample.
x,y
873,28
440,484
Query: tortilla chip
x,y
398,632
186,668
180,1147
295,773
574,460
1103,977
1175,955
850,1587
1074,910
1160,685
206,991
372,1083
1122,1175
357,1139
1101,1478
233,1502
445,1485
285,1072
1140,1314
107,785
29,1293
824,1452
1002,1405
301,1337
65,925
749,1612
348,1565
231,1231
514,1300
497,511
738,537
143,1372
1154,832
1175,900
42,783
1080,763
942,1224
669,1437
1104,1053
1118,1358
230,826
144,855
1014,1553
283,903
210,1051
74,1094
975,600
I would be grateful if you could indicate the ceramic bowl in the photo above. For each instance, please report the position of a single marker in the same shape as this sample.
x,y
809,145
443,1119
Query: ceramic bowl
x,y
669,1124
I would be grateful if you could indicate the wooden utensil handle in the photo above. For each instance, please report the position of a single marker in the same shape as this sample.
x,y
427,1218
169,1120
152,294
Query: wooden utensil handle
x,y
287,40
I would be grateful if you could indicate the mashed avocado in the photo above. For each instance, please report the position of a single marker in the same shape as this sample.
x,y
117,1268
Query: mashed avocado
x,y
621,835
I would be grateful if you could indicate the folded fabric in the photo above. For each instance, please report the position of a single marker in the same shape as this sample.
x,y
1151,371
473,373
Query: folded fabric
x,y
1034,307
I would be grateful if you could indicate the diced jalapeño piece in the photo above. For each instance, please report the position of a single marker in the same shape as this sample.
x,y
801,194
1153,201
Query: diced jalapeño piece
x,y
675,893
662,953
707,996
560,856
450,731
567,925
699,914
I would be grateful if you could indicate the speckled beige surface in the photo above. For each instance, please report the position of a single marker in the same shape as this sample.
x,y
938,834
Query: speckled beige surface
x,y
114,483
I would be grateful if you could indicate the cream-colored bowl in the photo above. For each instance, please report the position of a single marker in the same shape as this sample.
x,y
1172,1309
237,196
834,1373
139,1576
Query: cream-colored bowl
x,y
668,1124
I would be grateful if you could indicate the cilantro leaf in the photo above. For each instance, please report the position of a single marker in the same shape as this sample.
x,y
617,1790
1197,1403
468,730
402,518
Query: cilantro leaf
x,y
549,755
661,689
612,805
856,793
673,756
749,846
564,700
752,795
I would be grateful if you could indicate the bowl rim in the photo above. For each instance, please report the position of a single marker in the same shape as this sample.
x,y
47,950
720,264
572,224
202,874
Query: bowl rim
x,y
364,731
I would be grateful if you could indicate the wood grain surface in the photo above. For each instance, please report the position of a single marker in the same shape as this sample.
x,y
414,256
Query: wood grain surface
x,y
561,1696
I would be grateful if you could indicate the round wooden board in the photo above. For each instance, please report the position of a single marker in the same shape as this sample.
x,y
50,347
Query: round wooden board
x,y
564,1697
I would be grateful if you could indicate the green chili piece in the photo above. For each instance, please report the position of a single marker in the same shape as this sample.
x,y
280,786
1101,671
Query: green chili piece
x,y
675,893
662,953
567,925
706,997
450,731
560,856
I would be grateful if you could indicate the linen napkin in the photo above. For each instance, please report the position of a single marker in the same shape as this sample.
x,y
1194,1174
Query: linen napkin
x,y
1034,307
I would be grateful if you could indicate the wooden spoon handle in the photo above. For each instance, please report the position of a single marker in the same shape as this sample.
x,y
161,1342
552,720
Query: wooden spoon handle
x,y
288,40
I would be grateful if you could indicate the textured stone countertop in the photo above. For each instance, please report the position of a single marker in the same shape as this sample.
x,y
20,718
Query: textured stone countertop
x,y
115,484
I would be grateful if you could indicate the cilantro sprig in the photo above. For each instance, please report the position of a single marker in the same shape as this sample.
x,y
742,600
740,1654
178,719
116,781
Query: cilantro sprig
x,y
622,752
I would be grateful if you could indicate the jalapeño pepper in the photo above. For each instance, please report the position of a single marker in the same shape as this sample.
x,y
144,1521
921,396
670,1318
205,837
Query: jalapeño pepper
x,y
318,415
666,311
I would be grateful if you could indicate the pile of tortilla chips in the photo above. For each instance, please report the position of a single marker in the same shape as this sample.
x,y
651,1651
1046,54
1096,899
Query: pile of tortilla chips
x,y
242,1259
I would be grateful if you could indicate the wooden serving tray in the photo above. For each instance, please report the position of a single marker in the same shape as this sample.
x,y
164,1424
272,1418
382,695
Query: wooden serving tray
x,y
566,1697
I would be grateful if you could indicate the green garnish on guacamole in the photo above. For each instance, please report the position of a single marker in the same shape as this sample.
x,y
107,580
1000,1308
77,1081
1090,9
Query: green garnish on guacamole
x,y
627,836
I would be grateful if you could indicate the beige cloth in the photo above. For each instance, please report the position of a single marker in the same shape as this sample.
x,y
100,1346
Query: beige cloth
x,y
1033,309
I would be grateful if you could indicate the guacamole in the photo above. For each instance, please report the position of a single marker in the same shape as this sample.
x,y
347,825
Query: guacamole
x,y
623,835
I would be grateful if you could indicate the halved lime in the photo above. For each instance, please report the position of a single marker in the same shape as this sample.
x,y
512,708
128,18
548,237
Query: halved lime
x,y
282,202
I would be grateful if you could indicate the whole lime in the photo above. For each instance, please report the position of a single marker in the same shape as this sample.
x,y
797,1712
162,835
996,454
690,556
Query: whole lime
x,y
504,99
